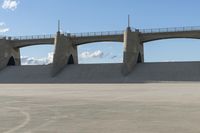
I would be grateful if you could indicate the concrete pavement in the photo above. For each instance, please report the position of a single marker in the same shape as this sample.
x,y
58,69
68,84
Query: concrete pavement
x,y
99,108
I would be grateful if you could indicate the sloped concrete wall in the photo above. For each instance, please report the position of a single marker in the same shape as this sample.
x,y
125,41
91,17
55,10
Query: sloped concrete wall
x,y
104,73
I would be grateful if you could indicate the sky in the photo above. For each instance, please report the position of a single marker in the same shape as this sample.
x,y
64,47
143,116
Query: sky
x,y
38,17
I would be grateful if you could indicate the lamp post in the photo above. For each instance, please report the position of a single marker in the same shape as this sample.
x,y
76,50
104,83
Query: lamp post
x,y
129,21
58,25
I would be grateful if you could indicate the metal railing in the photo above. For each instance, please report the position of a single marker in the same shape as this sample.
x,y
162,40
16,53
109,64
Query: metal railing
x,y
88,34
29,37
175,29
33,37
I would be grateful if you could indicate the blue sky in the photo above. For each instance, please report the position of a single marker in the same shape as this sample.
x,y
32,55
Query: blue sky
x,y
33,17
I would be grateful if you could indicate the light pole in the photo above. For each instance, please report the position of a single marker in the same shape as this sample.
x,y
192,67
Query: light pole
x,y
129,21
58,25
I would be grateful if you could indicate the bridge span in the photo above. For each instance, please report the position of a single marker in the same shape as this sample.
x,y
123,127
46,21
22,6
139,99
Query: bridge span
x,y
66,44
148,35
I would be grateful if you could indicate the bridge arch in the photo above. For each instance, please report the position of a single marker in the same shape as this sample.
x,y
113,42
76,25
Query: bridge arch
x,y
33,44
148,37
28,41
97,39
25,43
168,38
170,50
101,52
36,55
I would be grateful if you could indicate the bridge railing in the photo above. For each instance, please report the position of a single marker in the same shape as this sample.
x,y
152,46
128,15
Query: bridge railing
x,y
175,29
88,34
31,37
105,33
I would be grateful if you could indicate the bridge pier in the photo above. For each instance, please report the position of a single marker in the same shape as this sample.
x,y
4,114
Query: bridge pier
x,y
65,53
133,51
8,54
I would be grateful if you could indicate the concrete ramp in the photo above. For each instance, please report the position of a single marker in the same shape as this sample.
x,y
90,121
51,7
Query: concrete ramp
x,y
104,73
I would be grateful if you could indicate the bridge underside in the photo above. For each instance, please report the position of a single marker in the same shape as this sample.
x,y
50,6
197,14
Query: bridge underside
x,y
91,39
31,42
147,37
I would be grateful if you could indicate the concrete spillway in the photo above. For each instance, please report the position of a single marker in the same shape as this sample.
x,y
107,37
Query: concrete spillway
x,y
103,73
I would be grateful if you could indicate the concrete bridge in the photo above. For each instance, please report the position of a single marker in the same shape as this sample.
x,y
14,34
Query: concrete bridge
x,y
66,45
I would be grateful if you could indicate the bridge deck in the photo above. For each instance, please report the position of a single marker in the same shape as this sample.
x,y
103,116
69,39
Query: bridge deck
x,y
169,30
88,37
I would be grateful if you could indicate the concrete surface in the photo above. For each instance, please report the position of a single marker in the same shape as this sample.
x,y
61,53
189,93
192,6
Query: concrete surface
x,y
66,45
65,53
7,52
133,52
104,73
99,108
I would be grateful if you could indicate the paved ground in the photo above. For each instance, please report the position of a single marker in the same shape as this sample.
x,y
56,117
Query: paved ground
x,y
125,108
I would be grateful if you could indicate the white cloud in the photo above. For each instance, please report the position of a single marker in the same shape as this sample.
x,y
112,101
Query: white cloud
x,y
95,54
3,27
37,61
10,4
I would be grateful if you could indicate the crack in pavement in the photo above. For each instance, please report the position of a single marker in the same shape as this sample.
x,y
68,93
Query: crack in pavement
x,y
25,122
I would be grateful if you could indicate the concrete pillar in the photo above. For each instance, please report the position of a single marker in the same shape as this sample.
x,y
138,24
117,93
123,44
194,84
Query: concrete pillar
x,y
7,52
65,53
133,51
